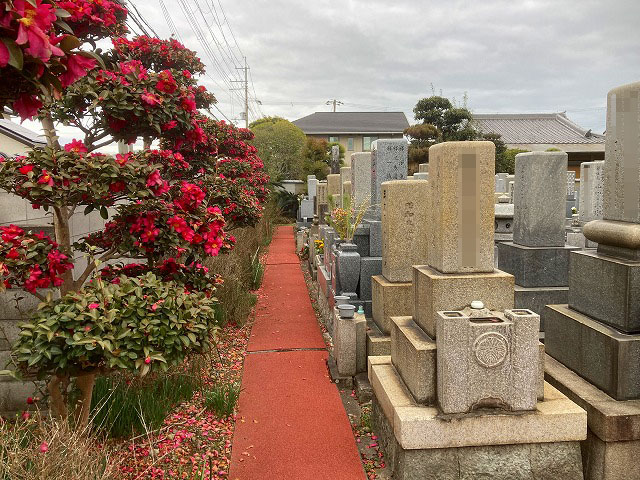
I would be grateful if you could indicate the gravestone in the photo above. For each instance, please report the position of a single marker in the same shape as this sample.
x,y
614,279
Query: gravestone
x,y
572,197
597,334
454,404
404,231
538,257
335,159
389,161
463,208
423,168
591,191
345,176
334,185
312,183
420,176
361,178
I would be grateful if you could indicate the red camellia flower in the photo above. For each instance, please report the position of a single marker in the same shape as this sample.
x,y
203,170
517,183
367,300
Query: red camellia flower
x,y
147,360
167,83
188,103
45,178
151,99
117,187
27,106
76,146
34,20
25,169
77,67
12,254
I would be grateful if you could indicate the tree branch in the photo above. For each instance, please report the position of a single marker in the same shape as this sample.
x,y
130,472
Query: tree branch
x,y
91,266
96,146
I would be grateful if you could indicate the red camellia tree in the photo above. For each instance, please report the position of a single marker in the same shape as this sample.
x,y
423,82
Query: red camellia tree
x,y
168,209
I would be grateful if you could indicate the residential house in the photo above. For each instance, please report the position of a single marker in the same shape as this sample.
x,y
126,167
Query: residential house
x,y
538,132
355,131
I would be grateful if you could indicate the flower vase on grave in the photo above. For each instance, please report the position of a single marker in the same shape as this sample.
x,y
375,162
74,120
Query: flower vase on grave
x,y
348,267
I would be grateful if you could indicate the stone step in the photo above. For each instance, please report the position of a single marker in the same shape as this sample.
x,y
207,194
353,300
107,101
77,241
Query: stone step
x,y
390,299
413,354
377,342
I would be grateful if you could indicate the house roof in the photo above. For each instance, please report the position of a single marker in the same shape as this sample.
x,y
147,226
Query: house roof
x,y
535,128
353,122
21,134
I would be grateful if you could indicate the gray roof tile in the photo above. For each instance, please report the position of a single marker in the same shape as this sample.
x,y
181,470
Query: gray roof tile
x,y
535,128
22,134
353,122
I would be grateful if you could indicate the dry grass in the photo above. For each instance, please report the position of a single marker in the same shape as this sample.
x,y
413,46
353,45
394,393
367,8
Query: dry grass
x,y
40,449
242,270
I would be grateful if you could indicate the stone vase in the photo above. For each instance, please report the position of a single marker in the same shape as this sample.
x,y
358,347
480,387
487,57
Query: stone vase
x,y
348,260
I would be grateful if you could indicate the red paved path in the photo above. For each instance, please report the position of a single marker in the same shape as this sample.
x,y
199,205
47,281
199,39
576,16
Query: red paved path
x,y
291,423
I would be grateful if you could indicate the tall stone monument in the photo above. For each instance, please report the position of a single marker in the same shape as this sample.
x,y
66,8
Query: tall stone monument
x,y
538,257
597,334
389,161
335,159
462,394
361,178
591,200
405,204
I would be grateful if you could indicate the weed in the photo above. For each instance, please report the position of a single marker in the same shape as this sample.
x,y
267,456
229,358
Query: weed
x,y
222,399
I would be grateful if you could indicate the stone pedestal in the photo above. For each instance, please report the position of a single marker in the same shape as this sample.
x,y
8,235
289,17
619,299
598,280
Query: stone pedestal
x,y
606,289
535,266
378,343
612,447
390,300
536,298
435,291
607,358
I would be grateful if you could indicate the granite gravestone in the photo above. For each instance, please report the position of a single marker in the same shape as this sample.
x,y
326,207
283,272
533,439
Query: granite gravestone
x,y
361,178
335,159
389,160
591,191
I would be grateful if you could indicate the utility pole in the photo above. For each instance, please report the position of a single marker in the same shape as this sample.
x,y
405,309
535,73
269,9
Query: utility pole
x,y
335,103
246,91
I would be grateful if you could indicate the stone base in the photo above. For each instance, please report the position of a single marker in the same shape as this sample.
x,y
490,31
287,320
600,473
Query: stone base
x,y
612,447
535,266
420,443
540,461
324,281
556,419
435,291
608,359
390,300
369,267
536,298
377,342
606,289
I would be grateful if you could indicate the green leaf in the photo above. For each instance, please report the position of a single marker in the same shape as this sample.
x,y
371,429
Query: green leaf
x,y
63,25
69,42
88,209
104,213
61,13
16,58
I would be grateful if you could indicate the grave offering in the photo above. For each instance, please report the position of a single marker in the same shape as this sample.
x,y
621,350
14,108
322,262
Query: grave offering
x,y
538,257
593,341
405,208
462,392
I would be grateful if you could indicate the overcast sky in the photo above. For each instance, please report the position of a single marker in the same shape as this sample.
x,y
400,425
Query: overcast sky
x,y
507,55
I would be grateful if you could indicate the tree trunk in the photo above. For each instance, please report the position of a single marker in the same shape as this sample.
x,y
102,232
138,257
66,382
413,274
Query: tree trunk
x,y
57,403
50,131
85,383
63,238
